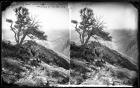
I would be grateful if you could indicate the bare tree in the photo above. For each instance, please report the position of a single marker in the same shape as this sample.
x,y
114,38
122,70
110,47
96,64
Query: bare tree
x,y
90,27
25,26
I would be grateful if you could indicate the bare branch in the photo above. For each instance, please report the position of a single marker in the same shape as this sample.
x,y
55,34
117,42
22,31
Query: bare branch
x,y
78,31
34,22
15,34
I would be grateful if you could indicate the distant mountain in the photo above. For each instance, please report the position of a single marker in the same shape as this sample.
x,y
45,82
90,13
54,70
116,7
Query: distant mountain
x,y
127,42
59,42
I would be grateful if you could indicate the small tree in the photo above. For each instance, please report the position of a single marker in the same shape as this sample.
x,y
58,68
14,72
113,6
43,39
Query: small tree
x,y
90,27
25,26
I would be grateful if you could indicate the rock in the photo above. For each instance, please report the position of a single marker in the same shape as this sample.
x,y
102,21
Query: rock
x,y
79,64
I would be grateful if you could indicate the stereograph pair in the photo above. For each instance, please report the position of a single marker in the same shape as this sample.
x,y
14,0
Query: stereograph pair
x,y
47,44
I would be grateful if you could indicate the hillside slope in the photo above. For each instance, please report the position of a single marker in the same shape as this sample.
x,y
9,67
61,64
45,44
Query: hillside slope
x,y
100,65
33,65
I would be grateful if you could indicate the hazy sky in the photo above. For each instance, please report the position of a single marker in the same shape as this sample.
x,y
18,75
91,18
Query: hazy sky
x,y
116,16
51,18
55,18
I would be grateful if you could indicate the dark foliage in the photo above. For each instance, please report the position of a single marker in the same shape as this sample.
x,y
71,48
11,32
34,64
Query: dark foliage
x,y
25,26
90,27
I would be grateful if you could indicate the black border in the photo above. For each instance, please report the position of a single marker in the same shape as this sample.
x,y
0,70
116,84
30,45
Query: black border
x,y
135,3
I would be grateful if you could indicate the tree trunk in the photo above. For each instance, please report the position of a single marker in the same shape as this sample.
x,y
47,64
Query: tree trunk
x,y
18,39
22,39
87,40
19,44
83,37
